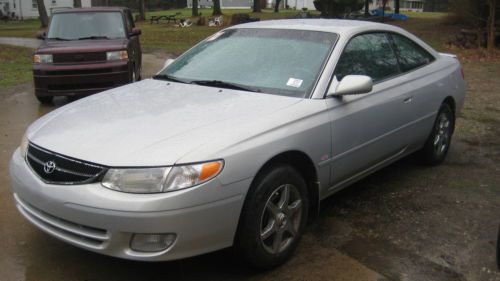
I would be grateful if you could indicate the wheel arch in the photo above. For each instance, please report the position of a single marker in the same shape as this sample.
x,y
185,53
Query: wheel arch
x,y
305,166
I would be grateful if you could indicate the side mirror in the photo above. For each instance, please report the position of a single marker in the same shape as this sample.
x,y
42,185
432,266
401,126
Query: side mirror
x,y
41,35
351,85
167,63
135,31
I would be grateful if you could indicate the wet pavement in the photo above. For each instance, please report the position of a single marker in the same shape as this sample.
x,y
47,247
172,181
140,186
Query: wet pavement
x,y
406,222
20,42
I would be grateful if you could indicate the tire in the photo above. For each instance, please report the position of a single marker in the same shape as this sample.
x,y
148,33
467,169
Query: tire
x,y
45,100
267,215
438,143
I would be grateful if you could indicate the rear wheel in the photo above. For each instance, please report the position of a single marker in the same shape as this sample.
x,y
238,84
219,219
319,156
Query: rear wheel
x,y
273,218
437,145
45,100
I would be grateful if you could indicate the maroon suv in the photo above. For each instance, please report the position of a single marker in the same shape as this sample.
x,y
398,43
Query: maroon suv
x,y
86,51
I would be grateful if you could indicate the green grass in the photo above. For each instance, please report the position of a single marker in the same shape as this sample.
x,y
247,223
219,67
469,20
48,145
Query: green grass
x,y
25,28
15,65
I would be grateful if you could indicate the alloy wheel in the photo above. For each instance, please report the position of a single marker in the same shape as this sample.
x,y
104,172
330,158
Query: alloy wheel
x,y
281,219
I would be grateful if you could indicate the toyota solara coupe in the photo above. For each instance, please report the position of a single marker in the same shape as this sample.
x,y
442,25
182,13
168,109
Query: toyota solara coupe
x,y
237,141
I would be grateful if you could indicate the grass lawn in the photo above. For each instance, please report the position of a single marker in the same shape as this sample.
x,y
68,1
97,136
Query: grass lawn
x,y
15,65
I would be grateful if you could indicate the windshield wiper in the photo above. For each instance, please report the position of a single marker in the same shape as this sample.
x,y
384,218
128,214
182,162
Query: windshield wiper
x,y
59,39
222,84
169,78
93,37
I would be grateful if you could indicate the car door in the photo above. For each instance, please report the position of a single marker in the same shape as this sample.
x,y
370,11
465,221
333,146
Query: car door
x,y
423,84
368,130
134,42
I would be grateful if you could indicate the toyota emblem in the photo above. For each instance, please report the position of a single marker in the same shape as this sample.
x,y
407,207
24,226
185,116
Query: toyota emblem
x,y
49,167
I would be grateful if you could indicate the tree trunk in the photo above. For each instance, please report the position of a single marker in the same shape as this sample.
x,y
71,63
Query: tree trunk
x,y
142,9
491,26
194,12
367,8
277,6
396,6
217,10
384,4
256,6
77,3
42,12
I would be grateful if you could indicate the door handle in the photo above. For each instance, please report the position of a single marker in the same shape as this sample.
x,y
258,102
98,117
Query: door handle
x,y
408,100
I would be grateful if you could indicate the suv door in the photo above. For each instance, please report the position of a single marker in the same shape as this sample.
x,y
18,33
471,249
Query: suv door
x,y
368,130
134,43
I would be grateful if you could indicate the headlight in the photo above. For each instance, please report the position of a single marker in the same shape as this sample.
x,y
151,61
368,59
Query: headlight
x,y
117,55
24,146
42,58
162,179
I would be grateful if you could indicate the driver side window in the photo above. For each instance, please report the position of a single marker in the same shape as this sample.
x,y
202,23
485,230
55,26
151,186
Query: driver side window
x,y
368,54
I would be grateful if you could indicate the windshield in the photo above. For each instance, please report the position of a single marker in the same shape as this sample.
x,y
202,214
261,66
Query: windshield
x,y
95,25
274,61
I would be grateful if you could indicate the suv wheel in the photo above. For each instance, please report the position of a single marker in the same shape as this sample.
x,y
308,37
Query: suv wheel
x,y
273,218
45,100
436,148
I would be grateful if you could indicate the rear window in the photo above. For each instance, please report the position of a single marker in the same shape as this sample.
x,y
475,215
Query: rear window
x,y
411,55
93,25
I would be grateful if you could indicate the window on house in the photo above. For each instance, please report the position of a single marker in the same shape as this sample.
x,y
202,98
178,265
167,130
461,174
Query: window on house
x,y
54,2
34,4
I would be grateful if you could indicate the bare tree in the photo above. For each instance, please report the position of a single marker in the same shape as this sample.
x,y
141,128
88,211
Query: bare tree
x,y
142,9
491,25
367,8
42,12
194,12
277,6
77,3
256,6
217,11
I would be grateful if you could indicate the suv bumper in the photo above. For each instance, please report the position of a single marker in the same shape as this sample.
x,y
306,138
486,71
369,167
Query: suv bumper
x,y
79,79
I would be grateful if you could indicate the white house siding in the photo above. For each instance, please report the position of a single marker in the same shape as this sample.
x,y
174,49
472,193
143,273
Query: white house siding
x,y
404,5
25,9
299,4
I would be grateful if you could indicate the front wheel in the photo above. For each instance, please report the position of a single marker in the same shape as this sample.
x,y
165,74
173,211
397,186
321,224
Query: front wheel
x,y
437,145
45,100
273,218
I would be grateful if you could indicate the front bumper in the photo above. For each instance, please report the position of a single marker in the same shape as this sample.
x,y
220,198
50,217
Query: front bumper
x,y
204,217
79,79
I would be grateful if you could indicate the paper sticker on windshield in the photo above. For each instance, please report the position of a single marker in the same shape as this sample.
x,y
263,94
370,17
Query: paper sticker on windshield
x,y
293,82
215,36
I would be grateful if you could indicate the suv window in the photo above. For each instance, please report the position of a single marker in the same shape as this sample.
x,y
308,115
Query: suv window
x,y
130,21
368,54
411,55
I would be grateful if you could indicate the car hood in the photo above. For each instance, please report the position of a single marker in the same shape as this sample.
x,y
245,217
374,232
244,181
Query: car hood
x,y
98,45
154,122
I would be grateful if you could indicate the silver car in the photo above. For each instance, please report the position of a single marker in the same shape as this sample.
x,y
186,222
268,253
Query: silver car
x,y
237,141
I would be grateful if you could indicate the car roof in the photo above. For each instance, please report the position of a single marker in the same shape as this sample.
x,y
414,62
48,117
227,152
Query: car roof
x,y
93,9
339,26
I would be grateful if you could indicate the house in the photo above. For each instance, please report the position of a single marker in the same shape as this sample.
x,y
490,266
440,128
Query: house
x,y
24,9
224,4
404,5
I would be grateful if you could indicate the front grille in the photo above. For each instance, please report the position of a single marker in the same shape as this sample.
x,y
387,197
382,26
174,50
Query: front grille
x,y
59,169
82,86
80,234
79,71
79,57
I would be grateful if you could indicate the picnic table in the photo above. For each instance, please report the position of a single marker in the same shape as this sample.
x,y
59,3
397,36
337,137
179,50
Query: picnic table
x,y
168,18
